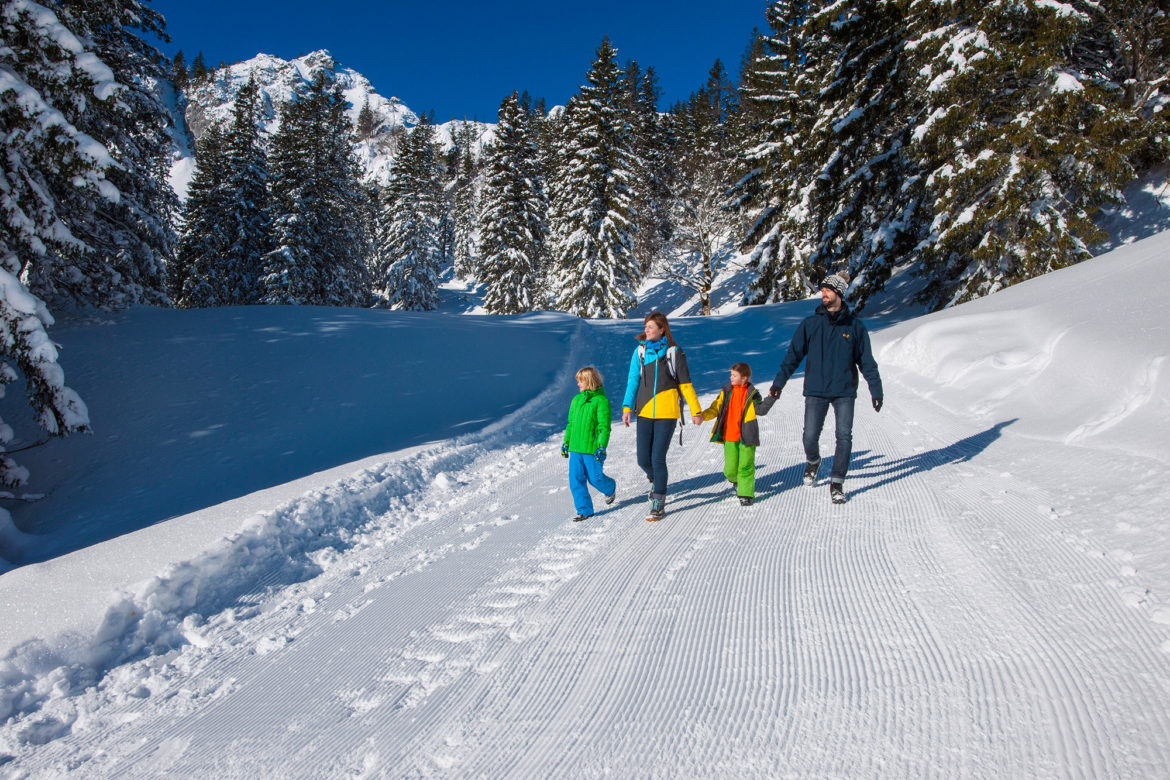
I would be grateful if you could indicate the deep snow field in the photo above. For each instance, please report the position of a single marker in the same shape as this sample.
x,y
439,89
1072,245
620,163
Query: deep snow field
x,y
337,543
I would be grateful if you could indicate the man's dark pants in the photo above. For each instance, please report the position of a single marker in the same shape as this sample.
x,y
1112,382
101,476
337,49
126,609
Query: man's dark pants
x,y
815,411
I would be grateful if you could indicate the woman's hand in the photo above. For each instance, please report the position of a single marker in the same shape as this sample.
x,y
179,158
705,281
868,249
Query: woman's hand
x,y
626,418
697,419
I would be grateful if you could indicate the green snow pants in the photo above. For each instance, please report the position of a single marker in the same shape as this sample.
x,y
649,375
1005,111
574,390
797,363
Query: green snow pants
x,y
739,466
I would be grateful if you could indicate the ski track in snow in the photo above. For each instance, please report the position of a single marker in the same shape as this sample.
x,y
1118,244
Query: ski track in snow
x,y
921,629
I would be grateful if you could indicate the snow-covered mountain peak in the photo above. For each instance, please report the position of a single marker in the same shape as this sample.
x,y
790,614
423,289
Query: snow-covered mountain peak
x,y
210,101
280,81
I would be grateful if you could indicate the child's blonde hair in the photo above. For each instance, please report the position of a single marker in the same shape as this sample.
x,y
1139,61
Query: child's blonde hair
x,y
590,377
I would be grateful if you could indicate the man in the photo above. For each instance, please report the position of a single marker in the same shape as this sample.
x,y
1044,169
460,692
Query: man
x,y
836,343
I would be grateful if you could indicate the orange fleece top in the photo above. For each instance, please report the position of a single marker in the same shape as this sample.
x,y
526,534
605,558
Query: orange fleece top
x,y
734,413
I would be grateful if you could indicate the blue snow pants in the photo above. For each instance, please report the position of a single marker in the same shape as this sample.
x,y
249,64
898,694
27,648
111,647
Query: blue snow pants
x,y
585,470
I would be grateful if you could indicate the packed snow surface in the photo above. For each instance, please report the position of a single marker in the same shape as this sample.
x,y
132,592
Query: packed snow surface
x,y
329,543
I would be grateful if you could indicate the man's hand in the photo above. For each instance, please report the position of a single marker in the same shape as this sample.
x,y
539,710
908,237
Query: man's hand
x,y
774,391
877,404
697,419
626,418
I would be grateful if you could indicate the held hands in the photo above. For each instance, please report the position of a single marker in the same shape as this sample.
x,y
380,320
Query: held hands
x,y
697,419
774,391
600,454
565,450
877,404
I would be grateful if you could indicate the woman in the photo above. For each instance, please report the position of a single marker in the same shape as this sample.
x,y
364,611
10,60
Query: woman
x,y
658,377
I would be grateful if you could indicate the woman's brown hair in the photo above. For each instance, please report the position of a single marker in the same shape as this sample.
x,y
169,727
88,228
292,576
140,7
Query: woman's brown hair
x,y
659,319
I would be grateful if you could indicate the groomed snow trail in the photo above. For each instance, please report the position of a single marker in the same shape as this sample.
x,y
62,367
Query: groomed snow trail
x,y
952,619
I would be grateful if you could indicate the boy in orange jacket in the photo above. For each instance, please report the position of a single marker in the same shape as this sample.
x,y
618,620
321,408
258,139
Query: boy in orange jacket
x,y
736,426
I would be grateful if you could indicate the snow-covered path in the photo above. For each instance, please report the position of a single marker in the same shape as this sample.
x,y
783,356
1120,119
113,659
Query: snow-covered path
x,y
958,617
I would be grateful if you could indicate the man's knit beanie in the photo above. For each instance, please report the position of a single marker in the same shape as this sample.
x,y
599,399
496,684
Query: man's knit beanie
x,y
838,283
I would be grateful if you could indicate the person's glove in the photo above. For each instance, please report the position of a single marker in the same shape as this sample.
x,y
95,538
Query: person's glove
x,y
774,391
600,454
877,404
565,450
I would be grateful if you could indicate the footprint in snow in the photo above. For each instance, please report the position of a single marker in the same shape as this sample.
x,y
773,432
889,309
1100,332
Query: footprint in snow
x,y
1134,595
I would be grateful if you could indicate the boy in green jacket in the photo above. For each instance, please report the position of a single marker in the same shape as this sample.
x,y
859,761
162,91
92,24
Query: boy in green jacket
x,y
585,440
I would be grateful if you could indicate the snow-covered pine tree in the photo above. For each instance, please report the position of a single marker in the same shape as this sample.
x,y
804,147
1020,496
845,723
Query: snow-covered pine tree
x,y
199,68
778,104
552,142
365,122
318,206
247,220
597,272
226,231
131,239
1125,49
865,216
1014,185
46,77
651,147
464,204
195,277
180,76
700,213
406,265
513,219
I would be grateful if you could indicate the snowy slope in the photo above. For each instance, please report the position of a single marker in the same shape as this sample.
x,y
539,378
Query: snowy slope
x,y
994,600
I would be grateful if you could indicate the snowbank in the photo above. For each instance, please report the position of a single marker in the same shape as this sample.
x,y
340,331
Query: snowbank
x,y
1077,355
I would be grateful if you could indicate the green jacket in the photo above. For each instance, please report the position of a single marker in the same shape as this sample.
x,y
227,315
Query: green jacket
x,y
589,419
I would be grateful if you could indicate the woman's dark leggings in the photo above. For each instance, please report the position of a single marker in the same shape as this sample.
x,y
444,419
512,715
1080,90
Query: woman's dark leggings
x,y
653,441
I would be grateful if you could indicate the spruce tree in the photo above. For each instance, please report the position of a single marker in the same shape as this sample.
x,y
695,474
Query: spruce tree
x,y
318,206
778,107
406,264
1013,186
247,220
226,229
199,68
597,272
365,122
46,77
130,239
180,76
700,215
464,203
1124,48
650,143
514,216
863,217
196,276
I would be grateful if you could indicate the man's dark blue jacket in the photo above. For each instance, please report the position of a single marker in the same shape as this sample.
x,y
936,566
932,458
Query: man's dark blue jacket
x,y
835,347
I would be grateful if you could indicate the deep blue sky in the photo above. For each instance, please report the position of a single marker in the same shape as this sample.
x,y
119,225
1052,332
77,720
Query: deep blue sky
x,y
462,58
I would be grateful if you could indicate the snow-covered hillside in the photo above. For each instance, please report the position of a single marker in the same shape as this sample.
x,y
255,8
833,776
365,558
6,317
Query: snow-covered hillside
x,y
210,102
338,543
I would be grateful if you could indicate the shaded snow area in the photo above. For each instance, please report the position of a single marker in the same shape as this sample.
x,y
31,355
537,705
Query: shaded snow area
x,y
370,568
